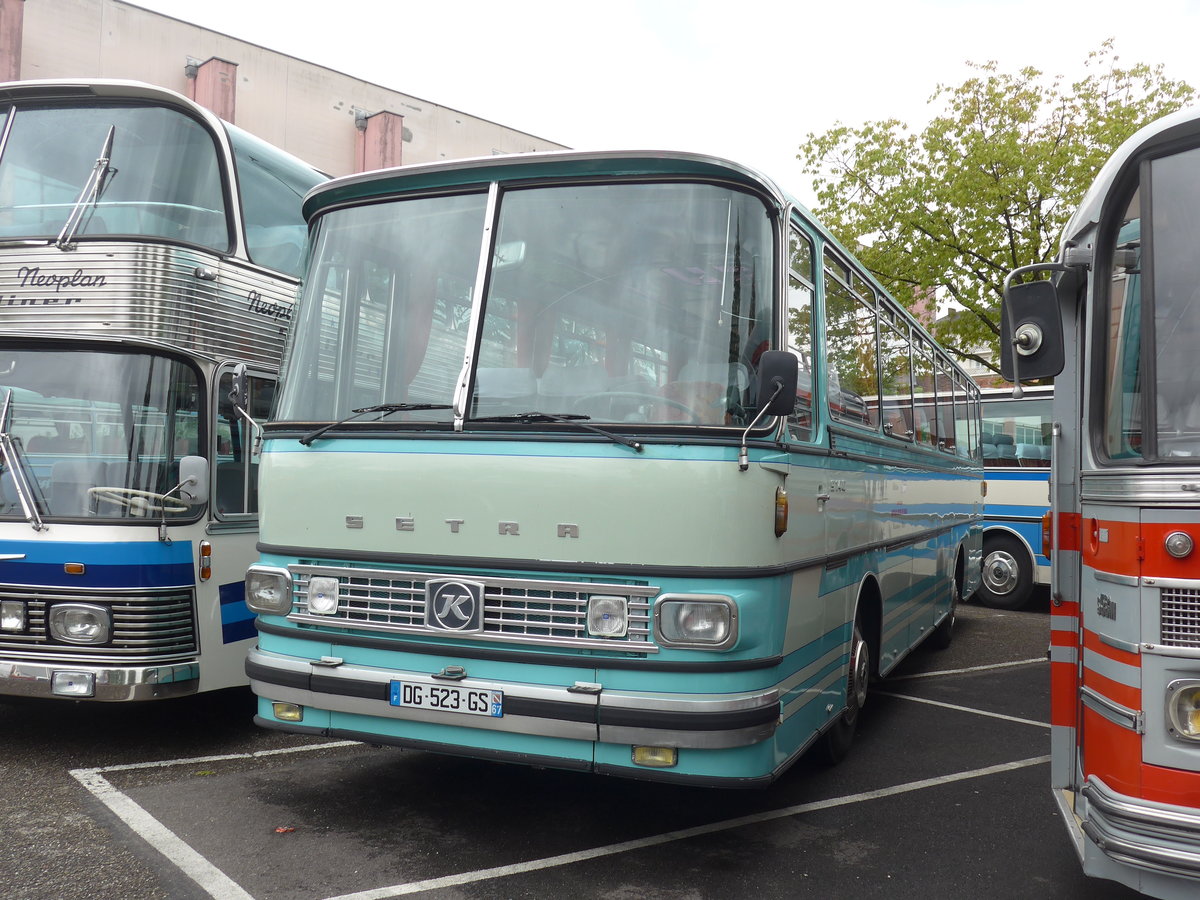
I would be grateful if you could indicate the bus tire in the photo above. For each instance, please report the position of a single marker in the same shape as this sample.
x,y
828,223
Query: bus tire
x,y
1007,573
833,746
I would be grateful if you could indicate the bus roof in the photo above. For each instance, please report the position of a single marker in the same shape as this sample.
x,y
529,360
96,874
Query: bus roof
x,y
1181,124
546,164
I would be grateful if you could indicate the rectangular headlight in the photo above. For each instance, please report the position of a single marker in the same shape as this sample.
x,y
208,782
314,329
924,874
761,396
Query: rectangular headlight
x,y
608,616
269,591
79,623
703,621
13,617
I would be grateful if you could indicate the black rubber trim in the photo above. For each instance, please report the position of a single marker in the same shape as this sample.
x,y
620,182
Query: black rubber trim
x,y
399,645
672,720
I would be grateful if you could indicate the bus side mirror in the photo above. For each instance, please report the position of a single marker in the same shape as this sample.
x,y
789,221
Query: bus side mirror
x,y
193,479
778,376
1031,334
239,393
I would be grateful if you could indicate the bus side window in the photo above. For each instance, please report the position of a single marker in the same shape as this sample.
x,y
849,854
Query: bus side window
x,y
799,333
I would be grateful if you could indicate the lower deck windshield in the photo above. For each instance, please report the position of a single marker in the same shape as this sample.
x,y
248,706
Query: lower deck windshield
x,y
97,435
639,303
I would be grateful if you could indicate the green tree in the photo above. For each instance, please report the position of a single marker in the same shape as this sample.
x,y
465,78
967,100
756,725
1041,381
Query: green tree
x,y
986,186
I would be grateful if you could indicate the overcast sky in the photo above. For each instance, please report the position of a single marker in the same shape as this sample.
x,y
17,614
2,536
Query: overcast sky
x,y
745,79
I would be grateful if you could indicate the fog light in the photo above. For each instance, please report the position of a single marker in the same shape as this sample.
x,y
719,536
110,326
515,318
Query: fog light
x,y
79,623
1183,709
322,595
269,591
288,712
12,615
696,620
655,757
608,616
73,684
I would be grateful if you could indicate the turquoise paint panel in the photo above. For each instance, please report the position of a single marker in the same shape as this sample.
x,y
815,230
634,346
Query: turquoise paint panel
x,y
488,669
559,748
755,761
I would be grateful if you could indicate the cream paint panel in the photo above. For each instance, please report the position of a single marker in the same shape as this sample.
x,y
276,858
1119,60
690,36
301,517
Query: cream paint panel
x,y
664,512
306,109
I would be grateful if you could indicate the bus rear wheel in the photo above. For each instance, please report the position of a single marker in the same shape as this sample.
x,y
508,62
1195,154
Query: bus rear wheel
x,y
1007,573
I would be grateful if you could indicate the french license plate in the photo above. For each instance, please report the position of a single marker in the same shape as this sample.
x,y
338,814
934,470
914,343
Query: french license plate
x,y
447,698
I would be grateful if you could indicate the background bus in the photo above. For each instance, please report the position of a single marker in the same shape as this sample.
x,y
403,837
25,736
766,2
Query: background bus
x,y
558,475
147,249
1016,459
1119,321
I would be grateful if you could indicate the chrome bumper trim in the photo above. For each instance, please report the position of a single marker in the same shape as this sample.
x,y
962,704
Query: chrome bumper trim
x,y
117,683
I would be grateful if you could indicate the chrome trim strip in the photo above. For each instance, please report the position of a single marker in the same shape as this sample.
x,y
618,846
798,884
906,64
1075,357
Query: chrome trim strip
x,y
462,389
1113,712
1112,578
1140,832
1127,646
1187,584
26,679
1142,487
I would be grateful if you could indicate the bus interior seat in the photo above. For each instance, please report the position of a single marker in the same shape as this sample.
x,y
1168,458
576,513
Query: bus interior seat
x,y
1028,455
70,481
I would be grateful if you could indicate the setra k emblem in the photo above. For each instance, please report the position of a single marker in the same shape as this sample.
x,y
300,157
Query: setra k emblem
x,y
453,605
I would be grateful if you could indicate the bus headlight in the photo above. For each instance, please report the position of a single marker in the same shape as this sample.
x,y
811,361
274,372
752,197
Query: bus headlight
x,y
322,595
607,616
269,591
1183,709
703,621
13,616
79,623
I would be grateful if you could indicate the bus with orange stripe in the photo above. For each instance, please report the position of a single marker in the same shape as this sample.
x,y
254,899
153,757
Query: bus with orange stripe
x,y
1116,322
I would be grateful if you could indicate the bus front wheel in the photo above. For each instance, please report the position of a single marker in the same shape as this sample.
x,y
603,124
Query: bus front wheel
x,y
834,744
1007,573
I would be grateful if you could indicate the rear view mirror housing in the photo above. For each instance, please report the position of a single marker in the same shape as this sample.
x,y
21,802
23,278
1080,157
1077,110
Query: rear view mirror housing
x,y
1031,333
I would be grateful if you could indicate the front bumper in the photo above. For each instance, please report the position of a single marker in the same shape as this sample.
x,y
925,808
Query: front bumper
x,y
1151,836
583,712
22,678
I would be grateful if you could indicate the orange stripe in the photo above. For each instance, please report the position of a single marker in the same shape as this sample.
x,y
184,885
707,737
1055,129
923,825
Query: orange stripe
x,y
1063,694
1129,697
1092,642
1068,531
1159,563
1172,786
1112,753
1119,554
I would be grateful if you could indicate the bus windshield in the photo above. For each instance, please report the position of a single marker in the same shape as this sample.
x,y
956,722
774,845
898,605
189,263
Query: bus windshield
x,y
162,177
100,433
638,303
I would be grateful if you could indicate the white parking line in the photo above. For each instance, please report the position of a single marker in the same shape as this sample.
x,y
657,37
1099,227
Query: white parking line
x,y
985,668
220,886
969,709
566,859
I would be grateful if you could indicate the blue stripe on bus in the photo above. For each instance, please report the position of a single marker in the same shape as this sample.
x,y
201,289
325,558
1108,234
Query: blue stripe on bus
x,y
1038,475
237,622
115,564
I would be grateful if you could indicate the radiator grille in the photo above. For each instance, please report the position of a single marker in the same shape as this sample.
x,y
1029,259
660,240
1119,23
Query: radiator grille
x,y
515,610
1180,609
146,628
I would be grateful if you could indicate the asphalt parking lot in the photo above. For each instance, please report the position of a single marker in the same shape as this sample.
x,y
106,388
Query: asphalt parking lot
x,y
945,794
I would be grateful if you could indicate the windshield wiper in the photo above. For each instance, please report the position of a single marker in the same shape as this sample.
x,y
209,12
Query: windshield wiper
x,y
11,454
384,408
564,419
93,190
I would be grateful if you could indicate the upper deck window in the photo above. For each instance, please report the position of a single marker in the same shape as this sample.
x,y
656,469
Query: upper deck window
x,y
163,178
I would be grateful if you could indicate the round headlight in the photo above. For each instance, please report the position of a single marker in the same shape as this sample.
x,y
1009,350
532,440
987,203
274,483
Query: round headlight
x,y
79,623
269,591
1183,709
1179,544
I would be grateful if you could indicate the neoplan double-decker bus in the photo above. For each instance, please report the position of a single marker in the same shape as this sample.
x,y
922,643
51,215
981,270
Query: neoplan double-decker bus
x,y
1125,574
149,252
609,462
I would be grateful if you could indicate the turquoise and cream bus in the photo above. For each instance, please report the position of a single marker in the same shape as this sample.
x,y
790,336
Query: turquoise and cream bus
x,y
149,252
602,461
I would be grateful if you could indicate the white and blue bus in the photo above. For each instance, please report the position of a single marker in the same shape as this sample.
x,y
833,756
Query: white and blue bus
x,y
609,462
148,253
1016,459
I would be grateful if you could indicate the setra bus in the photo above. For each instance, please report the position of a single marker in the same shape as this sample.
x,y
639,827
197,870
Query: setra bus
x,y
147,251
1125,574
1016,460
607,462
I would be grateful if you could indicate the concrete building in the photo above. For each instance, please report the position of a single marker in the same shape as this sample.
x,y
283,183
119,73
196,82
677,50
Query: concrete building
x,y
331,120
